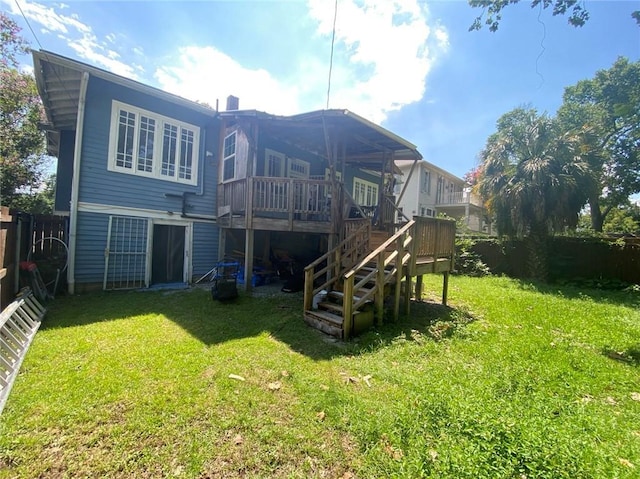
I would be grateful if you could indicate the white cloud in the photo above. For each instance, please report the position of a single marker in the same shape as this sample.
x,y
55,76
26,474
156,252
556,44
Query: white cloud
x,y
383,53
206,74
79,36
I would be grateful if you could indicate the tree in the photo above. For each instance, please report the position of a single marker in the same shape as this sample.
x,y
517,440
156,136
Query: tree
x,y
532,178
492,11
608,107
22,144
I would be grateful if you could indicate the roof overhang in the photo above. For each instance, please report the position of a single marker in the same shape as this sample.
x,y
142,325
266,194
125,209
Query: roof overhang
x,y
58,79
359,141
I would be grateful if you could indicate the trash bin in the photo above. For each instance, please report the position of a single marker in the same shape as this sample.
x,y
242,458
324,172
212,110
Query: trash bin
x,y
225,281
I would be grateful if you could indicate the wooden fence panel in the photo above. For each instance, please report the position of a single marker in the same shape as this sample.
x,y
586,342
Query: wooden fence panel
x,y
7,257
26,237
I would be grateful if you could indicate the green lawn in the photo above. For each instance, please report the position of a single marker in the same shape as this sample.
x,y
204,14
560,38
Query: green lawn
x,y
511,381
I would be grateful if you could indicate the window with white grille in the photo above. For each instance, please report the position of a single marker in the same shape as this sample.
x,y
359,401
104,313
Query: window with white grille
x,y
148,144
364,192
229,157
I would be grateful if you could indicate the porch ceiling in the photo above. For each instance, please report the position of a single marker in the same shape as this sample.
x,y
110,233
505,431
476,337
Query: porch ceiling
x,y
362,142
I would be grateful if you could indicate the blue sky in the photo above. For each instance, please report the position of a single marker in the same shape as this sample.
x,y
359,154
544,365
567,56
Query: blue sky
x,y
409,65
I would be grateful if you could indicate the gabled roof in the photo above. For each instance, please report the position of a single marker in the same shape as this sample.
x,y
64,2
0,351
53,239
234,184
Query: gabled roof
x,y
58,79
361,141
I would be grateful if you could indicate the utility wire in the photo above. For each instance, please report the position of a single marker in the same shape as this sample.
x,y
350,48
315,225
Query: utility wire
x,y
28,24
55,72
333,39
542,48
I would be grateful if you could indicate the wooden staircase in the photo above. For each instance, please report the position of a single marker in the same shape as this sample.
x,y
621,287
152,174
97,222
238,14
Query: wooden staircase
x,y
354,279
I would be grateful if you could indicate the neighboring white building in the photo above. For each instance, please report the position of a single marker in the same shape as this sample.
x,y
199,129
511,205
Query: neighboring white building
x,y
432,190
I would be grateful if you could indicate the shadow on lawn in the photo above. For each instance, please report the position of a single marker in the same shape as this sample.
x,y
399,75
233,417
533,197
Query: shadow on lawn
x,y
619,297
213,322
426,321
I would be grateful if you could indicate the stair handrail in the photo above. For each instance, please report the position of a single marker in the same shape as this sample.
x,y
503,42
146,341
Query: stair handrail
x,y
309,275
349,304
382,247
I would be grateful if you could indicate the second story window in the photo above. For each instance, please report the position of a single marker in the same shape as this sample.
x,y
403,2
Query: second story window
x,y
425,186
152,145
229,157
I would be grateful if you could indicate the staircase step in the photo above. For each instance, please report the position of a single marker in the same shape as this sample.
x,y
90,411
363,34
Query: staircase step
x,y
324,322
331,307
326,316
339,296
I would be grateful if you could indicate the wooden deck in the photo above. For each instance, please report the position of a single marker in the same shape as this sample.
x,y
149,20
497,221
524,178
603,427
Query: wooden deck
x,y
356,291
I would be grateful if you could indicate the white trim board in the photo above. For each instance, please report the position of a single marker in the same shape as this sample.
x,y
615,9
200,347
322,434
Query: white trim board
x,y
174,218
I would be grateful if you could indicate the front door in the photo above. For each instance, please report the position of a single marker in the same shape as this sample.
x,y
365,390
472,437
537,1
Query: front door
x,y
167,261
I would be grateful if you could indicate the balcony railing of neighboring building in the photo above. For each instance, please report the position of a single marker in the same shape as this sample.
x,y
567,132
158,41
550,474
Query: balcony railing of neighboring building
x,y
460,198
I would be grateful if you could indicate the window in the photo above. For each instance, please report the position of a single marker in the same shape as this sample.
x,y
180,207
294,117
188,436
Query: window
x,y
148,144
365,193
425,187
298,168
229,157
273,163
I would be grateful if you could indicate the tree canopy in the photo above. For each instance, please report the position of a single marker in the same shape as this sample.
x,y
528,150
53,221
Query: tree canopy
x,y
22,144
607,107
532,177
577,14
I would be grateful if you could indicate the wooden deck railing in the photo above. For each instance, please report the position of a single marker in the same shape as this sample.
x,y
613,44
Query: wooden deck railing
x,y
389,266
435,237
333,264
311,199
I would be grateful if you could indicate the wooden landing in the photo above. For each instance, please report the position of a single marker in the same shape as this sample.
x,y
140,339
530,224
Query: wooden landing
x,y
429,264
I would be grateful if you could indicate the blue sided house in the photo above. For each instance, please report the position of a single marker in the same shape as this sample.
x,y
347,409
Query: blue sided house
x,y
159,189
137,175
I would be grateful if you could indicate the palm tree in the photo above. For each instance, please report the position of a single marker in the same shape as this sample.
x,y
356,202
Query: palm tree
x,y
533,179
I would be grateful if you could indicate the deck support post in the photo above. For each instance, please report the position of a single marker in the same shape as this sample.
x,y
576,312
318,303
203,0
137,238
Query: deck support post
x,y
445,287
248,259
418,292
222,244
379,296
407,293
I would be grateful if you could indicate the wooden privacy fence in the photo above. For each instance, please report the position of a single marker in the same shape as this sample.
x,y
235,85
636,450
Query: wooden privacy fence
x,y
38,238
19,323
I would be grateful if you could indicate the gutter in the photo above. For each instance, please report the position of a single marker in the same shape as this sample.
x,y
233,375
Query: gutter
x,y
75,184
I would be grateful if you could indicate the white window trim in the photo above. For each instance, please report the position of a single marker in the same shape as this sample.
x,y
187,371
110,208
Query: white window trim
x,y
157,148
225,158
291,173
425,182
365,184
268,152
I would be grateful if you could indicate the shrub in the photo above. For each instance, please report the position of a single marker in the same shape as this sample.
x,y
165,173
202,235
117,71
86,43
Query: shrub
x,y
468,262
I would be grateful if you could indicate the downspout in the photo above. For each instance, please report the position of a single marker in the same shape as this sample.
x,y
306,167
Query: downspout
x,y
75,184
183,195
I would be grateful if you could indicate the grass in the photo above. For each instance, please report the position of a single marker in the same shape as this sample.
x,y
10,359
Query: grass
x,y
514,380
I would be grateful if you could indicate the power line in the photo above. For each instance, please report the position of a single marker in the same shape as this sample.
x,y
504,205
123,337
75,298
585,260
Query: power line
x,y
55,72
28,24
333,39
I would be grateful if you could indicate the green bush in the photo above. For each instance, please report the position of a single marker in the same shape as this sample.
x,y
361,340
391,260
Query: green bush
x,y
468,262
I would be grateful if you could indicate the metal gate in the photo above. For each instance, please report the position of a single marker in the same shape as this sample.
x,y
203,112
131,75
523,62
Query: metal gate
x,y
126,253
